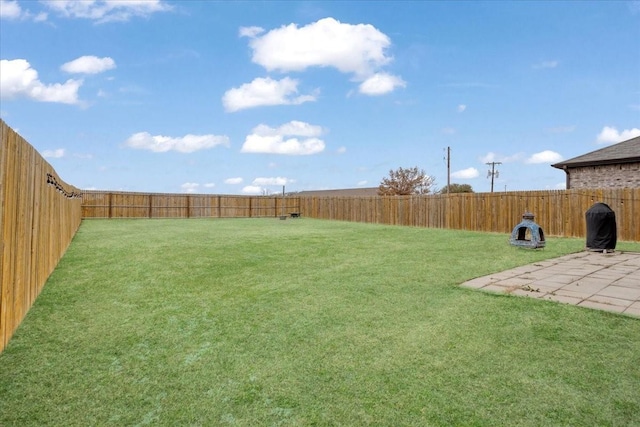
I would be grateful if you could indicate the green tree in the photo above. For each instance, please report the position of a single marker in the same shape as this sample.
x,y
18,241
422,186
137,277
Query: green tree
x,y
406,181
456,188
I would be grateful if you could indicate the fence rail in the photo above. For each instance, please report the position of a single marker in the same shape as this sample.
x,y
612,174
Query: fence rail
x,y
39,214
558,212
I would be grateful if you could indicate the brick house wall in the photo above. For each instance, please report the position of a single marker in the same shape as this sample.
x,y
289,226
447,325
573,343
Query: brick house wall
x,y
625,175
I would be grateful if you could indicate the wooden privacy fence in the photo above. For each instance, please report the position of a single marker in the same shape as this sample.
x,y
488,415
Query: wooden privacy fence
x,y
109,204
559,213
39,215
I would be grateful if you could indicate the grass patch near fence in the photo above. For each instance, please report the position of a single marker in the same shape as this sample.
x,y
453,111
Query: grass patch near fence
x,y
305,322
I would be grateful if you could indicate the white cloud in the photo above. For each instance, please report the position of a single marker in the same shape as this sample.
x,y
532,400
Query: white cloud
x,y
295,127
546,156
272,181
489,157
448,131
611,135
10,10
88,65
190,187
560,186
53,154
341,150
380,84
265,139
468,173
358,49
102,11
233,181
41,17
264,91
362,183
185,144
546,64
250,32
252,189
193,187
18,79
461,108
278,145
493,157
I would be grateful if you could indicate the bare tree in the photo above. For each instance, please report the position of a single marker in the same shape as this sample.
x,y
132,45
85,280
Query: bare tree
x,y
406,181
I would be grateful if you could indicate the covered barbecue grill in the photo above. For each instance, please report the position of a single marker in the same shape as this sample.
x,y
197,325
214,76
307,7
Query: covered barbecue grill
x,y
601,228
527,234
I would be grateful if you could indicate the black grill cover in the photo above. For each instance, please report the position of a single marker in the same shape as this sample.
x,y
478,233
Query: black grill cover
x,y
601,227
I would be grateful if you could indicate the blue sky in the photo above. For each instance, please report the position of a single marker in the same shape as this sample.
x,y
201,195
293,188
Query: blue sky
x,y
243,97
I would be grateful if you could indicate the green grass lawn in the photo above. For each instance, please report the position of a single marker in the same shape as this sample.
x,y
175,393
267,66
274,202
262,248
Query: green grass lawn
x,y
262,322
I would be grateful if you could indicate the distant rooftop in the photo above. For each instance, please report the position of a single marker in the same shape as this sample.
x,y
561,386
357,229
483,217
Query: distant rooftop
x,y
623,152
346,192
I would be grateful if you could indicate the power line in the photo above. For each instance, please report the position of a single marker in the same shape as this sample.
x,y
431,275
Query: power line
x,y
448,170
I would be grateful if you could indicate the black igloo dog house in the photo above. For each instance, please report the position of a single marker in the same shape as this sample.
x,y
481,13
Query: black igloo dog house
x,y
527,234
601,228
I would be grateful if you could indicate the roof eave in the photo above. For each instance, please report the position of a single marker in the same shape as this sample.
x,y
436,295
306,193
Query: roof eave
x,y
565,165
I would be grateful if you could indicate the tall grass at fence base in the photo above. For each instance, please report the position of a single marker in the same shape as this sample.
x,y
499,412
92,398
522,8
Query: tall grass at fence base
x,y
307,322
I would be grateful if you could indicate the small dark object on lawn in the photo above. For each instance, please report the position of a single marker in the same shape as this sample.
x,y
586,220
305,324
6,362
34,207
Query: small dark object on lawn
x,y
295,214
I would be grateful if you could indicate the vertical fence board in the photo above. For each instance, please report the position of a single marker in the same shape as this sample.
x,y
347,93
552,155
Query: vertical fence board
x,y
8,219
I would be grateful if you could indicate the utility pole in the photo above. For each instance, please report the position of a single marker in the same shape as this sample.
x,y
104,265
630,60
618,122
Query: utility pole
x,y
493,172
448,169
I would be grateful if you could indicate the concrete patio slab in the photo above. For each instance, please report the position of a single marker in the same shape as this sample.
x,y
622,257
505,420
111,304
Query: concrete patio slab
x,y
602,306
621,292
602,281
609,301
